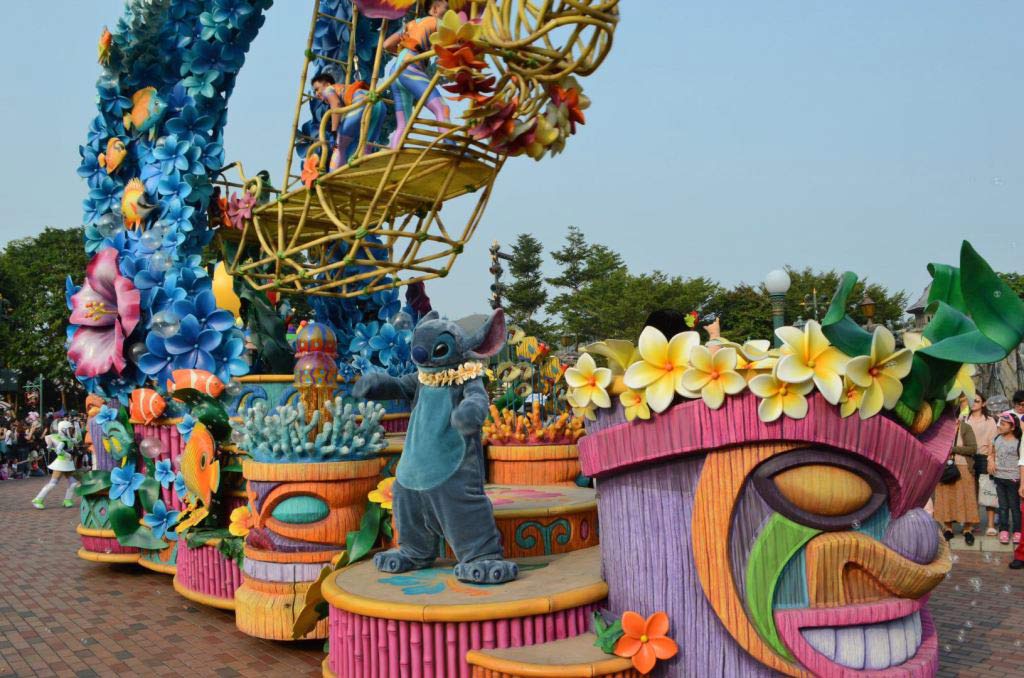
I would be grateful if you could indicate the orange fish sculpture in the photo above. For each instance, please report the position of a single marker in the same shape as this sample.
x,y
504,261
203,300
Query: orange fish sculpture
x,y
135,207
146,405
147,110
199,466
200,380
103,47
115,154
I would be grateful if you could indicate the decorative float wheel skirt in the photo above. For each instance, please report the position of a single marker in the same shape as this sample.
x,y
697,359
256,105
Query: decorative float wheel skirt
x,y
422,623
205,576
99,544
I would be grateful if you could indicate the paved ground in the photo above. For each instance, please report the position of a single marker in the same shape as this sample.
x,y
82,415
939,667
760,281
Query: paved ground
x,y
62,616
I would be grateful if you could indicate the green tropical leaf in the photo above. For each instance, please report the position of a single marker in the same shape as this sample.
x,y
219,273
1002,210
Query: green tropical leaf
x,y
840,329
995,309
971,347
92,482
607,634
124,521
947,321
916,383
359,543
143,538
148,493
946,286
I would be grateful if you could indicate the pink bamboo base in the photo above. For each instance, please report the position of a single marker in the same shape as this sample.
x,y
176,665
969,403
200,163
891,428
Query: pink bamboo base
x,y
385,648
400,425
204,570
173,447
105,545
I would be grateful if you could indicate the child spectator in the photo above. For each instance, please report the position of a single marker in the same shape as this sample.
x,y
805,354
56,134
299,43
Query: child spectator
x,y
1004,462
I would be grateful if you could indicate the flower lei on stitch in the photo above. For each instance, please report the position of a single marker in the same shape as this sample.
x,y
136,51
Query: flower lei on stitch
x,y
452,376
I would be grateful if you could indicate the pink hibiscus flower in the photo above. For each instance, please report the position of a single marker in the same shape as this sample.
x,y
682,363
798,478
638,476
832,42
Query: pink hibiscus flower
x,y
107,310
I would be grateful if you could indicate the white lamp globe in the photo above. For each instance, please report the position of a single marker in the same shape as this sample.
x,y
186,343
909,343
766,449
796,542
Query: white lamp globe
x,y
777,282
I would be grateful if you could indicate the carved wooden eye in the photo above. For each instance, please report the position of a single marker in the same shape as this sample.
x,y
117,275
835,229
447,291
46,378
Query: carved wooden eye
x,y
822,489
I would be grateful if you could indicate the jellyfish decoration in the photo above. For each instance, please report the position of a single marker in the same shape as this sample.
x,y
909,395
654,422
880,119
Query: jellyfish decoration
x,y
316,368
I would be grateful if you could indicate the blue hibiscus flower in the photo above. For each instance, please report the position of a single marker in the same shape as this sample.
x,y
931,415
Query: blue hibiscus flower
x,y
214,28
102,198
212,155
110,99
156,362
90,169
229,358
176,154
160,520
361,338
179,486
387,342
173,186
123,484
185,426
192,345
390,304
106,414
204,309
190,123
201,190
235,12
98,133
201,84
163,473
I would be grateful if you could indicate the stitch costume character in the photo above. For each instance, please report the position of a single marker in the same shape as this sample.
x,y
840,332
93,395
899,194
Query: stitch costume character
x,y
439,483
61,443
346,127
412,82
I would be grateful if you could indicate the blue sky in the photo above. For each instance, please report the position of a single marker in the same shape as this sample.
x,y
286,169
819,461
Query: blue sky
x,y
724,139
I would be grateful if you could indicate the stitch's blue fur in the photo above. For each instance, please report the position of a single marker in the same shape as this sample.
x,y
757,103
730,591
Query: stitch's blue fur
x,y
439,488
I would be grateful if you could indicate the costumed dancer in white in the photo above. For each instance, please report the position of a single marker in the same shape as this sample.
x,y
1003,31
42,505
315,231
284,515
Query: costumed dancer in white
x,y
62,466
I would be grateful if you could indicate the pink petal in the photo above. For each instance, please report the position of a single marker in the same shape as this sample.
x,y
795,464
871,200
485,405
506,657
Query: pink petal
x,y
127,303
80,314
93,350
101,273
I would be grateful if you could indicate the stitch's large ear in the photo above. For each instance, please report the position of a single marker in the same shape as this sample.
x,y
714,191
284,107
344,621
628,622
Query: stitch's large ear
x,y
433,315
489,339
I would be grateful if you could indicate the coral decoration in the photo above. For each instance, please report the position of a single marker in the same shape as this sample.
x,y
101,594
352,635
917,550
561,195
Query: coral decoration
x,y
508,428
106,310
645,641
146,405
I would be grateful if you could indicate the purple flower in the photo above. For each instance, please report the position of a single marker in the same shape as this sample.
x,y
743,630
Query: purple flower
x,y
240,208
106,309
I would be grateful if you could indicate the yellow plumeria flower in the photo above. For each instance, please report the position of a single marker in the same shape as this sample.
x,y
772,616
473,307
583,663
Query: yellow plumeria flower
x,y
584,411
963,383
808,355
452,30
588,382
635,405
713,375
853,396
779,397
661,367
915,341
384,494
879,374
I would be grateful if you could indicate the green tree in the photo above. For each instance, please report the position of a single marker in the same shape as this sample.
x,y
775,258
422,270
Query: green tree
x,y
1015,281
32,276
746,312
890,307
525,295
581,264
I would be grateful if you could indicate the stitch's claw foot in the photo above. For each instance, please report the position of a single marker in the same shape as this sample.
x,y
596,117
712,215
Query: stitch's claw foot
x,y
394,562
487,571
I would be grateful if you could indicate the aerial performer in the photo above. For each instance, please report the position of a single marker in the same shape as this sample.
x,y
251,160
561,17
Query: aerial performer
x,y
412,82
346,126
61,443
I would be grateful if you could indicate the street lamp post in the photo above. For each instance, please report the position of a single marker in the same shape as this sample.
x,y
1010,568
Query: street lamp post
x,y
867,307
777,283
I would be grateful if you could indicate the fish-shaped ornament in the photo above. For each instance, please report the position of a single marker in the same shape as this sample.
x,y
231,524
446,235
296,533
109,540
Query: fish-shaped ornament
x,y
146,405
147,110
200,380
135,207
103,47
115,154
199,467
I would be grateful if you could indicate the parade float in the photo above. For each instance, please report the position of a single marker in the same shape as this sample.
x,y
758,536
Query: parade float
x,y
759,508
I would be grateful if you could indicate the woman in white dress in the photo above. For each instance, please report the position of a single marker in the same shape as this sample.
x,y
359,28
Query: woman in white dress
x,y
62,466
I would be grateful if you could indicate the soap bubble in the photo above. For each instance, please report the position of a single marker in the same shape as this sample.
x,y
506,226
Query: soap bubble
x,y
165,324
160,262
151,239
1007,588
969,624
232,389
975,583
109,225
136,351
151,447
401,321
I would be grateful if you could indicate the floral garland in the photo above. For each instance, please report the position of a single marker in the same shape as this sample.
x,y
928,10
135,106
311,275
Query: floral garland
x,y
452,376
152,151
856,370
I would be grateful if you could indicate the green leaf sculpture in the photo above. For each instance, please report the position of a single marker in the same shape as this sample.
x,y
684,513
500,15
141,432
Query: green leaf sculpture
x,y
839,328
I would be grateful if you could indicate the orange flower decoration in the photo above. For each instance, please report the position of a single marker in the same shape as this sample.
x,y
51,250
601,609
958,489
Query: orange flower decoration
x,y
644,641
456,59
310,170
